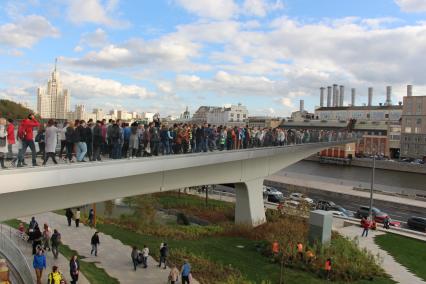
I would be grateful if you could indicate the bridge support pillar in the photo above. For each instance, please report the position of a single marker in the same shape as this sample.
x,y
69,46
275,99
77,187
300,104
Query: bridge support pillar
x,y
249,207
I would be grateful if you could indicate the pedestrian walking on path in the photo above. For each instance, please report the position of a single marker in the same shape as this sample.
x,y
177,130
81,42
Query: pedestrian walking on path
x,y
186,272
77,217
55,241
135,257
74,269
69,215
365,223
164,251
39,264
95,242
174,275
145,254
55,277
91,217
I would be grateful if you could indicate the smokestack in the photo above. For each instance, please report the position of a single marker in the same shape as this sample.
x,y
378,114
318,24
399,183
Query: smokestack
x,y
370,96
409,90
322,89
353,94
302,105
388,96
342,95
335,95
329,96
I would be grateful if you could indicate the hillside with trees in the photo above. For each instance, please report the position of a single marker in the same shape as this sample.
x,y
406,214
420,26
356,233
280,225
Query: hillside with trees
x,y
10,109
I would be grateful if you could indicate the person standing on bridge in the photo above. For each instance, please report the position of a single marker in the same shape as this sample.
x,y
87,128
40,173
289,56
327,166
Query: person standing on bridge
x,y
3,142
39,264
10,138
51,141
164,251
26,135
55,276
95,242
55,241
365,223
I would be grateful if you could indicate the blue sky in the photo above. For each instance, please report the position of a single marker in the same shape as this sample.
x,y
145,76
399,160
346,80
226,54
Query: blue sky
x,y
165,55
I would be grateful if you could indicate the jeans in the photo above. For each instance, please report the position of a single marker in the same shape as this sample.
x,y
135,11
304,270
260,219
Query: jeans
x,y
55,251
96,152
81,151
145,261
135,263
116,150
94,249
89,150
366,233
70,148
162,260
185,279
166,147
63,146
25,145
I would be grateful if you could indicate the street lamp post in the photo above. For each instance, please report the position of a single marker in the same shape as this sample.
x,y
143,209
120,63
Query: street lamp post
x,y
370,212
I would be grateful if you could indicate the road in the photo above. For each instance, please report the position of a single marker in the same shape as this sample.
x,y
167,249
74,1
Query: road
x,y
395,213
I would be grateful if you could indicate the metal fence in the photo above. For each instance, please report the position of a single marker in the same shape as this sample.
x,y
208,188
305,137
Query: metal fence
x,y
14,255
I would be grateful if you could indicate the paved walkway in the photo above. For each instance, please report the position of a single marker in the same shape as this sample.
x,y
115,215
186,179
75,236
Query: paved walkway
x,y
113,255
398,272
62,263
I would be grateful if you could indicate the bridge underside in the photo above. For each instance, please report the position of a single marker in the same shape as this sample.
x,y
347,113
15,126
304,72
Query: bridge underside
x,y
38,190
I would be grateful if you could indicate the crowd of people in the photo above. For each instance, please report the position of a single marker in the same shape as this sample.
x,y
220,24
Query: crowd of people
x,y
81,141
46,240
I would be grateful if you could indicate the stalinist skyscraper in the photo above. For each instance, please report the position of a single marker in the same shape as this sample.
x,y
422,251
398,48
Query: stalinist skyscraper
x,y
53,102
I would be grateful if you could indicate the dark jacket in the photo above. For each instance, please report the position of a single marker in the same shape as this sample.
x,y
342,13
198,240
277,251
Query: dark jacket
x,y
88,135
97,135
74,267
95,239
71,135
164,251
69,213
81,133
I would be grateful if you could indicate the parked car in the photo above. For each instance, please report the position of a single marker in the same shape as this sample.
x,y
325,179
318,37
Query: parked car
x,y
338,208
275,198
324,204
300,197
378,215
337,213
417,223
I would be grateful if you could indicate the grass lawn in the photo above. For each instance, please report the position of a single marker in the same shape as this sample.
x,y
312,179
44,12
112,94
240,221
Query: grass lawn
x,y
174,200
94,274
409,252
224,250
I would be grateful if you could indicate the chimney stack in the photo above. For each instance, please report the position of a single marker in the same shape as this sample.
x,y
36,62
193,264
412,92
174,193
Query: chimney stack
x,y
388,96
322,89
370,96
335,95
409,90
342,95
329,96
353,94
302,105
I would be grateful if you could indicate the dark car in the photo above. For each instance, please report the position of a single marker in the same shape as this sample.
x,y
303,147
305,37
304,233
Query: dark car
x,y
324,204
378,215
417,223
275,198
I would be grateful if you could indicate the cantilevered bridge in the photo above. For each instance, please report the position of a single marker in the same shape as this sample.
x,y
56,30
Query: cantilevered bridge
x,y
28,191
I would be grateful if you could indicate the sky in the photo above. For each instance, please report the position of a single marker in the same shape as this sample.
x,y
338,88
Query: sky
x,y
164,55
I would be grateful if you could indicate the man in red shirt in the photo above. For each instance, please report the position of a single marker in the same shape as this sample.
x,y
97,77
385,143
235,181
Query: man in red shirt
x,y
10,138
25,133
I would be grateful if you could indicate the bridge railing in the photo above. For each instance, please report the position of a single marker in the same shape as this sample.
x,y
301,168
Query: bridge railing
x,y
14,255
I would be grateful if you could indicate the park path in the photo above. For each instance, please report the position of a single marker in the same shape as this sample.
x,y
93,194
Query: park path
x,y
113,255
62,263
398,272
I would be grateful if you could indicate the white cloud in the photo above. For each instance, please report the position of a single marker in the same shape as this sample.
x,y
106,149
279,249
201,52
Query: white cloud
x,y
94,11
261,8
26,31
98,38
91,87
412,6
216,9
78,48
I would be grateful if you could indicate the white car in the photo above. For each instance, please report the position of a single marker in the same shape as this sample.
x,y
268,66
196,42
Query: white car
x,y
272,191
300,197
337,213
